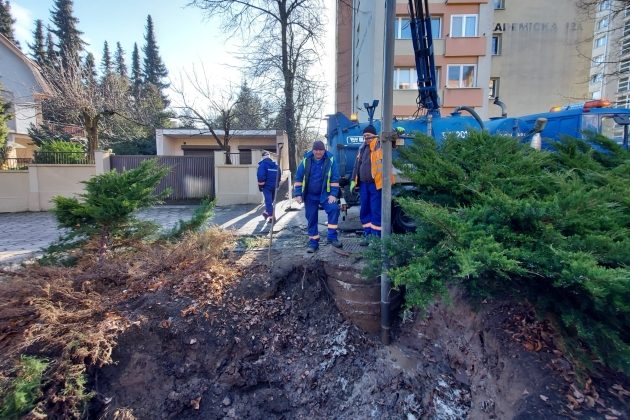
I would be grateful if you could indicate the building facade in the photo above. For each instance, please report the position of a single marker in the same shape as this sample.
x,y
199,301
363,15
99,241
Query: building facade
x,y
22,85
528,53
610,65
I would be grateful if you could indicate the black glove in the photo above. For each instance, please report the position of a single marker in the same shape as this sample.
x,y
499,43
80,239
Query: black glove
x,y
260,188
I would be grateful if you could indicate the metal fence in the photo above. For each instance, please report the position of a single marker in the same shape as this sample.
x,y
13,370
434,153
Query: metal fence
x,y
240,158
15,164
64,158
190,177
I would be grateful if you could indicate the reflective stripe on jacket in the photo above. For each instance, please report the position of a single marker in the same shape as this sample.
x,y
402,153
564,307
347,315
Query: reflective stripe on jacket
x,y
330,186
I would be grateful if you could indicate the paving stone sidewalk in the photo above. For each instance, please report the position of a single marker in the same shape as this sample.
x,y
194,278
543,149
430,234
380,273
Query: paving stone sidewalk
x,y
23,235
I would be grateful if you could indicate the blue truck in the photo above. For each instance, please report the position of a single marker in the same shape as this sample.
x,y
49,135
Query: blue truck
x,y
345,135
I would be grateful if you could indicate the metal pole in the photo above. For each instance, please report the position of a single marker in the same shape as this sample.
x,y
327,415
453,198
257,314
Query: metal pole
x,y
275,199
386,144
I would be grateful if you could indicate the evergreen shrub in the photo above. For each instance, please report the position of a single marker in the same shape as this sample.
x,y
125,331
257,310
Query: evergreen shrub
x,y
498,216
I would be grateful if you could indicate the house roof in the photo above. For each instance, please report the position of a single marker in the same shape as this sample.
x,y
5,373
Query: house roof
x,y
37,73
175,132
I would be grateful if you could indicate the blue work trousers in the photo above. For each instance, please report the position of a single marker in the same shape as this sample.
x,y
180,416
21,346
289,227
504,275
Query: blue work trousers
x,y
268,194
370,213
311,207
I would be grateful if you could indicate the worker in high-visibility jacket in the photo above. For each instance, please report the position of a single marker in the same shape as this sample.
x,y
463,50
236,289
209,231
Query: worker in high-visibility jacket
x,y
317,184
267,176
367,176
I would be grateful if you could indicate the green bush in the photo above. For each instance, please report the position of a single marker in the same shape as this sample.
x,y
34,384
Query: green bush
x,y
61,152
106,210
498,216
196,222
20,396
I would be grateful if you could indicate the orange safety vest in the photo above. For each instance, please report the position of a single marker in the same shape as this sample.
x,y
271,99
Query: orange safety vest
x,y
376,163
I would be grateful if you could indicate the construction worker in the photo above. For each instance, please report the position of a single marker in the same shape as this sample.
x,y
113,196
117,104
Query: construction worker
x,y
367,176
267,175
317,183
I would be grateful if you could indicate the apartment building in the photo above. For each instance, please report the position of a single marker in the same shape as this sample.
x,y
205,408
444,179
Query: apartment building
x,y
610,66
529,53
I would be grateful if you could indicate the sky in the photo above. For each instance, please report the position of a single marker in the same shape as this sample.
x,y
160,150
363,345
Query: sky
x,y
185,37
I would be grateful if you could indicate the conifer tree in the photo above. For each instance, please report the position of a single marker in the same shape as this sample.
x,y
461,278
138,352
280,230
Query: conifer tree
x,y
119,58
154,70
7,21
69,40
136,72
89,68
51,54
38,47
106,61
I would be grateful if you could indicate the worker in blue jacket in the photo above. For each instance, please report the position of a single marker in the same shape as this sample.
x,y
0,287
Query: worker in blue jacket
x,y
317,183
267,175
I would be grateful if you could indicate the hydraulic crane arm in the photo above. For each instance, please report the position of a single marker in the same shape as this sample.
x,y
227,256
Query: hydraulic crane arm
x,y
422,38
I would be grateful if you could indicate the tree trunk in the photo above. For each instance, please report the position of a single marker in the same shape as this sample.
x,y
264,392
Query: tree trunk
x,y
228,156
289,103
91,127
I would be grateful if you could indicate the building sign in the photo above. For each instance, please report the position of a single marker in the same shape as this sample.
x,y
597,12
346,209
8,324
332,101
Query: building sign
x,y
536,27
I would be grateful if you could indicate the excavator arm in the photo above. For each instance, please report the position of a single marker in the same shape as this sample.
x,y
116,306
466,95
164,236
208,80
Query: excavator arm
x,y
422,38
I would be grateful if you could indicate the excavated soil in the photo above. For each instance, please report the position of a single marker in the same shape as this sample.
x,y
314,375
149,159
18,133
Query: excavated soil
x,y
275,346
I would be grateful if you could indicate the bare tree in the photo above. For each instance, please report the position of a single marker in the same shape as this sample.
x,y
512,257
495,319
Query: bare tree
x,y
214,109
80,99
282,37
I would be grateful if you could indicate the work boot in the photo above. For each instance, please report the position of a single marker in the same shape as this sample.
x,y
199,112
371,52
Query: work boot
x,y
335,242
265,215
311,248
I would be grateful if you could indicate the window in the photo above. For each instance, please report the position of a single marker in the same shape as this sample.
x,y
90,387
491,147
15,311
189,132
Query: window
x,y
600,42
624,84
463,26
402,28
461,76
496,44
596,95
405,78
499,4
623,101
602,24
436,27
245,157
493,91
598,59
597,78
603,5
626,29
624,66
625,47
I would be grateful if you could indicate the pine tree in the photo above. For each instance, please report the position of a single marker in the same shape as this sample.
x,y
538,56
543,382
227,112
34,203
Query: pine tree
x,y
154,69
119,58
69,39
51,54
106,61
89,69
7,21
38,47
250,113
136,72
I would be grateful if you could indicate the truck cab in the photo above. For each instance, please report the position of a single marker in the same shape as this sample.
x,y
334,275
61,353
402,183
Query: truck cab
x,y
578,120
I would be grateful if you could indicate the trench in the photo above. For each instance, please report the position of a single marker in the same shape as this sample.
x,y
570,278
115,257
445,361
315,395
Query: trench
x,y
301,343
